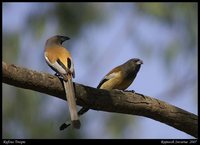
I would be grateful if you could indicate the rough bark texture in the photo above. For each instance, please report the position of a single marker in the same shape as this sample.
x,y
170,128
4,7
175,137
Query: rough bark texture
x,y
110,101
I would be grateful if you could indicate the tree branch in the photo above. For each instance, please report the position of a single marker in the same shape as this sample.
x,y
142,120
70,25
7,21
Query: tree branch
x,y
97,99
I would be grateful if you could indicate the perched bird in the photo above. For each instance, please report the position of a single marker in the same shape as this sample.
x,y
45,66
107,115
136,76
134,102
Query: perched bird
x,y
119,78
60,60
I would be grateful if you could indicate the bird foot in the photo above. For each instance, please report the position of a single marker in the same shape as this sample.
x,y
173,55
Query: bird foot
x,y
131,91
58,75
61,76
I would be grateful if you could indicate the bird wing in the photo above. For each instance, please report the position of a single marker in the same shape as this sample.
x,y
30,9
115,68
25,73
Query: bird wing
x,y
106,78
61,63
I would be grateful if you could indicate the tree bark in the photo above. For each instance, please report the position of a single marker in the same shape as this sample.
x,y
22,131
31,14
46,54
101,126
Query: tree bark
x,y
97,99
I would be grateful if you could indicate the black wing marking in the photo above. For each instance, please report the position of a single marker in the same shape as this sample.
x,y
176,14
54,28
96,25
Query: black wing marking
x,y
69,63
102,82
62,65
106,78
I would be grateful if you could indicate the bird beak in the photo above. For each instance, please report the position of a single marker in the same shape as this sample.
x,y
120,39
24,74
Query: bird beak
x,y
64,38
139,62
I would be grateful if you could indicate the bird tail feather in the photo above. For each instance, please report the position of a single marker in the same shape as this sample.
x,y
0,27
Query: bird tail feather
x,y
68,123
70,95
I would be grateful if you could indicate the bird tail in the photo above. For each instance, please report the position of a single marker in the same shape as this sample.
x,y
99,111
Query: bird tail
x,y
70,94
68,123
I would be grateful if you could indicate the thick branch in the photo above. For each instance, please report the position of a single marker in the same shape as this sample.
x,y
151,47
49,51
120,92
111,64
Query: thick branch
x,y
111,101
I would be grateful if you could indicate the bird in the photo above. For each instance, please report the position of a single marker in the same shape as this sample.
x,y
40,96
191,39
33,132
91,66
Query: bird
x,y
120,78
60,60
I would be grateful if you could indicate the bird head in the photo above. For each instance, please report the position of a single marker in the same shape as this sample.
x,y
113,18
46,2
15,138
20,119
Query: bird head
x,y
61,39
135,61
57,39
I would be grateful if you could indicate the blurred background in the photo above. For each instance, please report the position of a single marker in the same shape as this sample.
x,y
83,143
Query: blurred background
x,y
103,36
